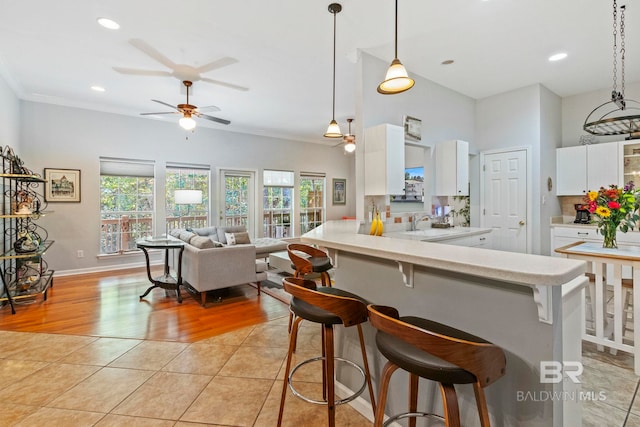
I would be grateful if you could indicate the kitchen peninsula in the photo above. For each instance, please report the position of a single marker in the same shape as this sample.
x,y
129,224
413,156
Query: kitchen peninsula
x,y
529,305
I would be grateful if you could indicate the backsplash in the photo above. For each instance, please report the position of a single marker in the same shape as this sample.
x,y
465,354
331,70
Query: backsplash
x,y
567,204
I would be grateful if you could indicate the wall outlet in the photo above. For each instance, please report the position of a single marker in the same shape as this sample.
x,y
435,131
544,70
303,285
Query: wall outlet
x,y
80,254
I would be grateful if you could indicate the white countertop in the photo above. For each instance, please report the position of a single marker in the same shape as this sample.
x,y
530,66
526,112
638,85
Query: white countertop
x,y
511,267
437,234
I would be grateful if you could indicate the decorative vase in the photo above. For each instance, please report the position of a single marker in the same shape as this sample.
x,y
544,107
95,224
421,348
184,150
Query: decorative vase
x,y
608,232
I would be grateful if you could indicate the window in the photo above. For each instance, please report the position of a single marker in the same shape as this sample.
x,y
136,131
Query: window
x,y
277,203
312,190
126,203
187,177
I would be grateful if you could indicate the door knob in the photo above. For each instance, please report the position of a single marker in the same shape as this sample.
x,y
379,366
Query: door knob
x,y
521,222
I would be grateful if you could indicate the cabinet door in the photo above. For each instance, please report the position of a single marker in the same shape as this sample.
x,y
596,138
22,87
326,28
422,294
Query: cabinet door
x,y
571,170
383,160
452,169
602,165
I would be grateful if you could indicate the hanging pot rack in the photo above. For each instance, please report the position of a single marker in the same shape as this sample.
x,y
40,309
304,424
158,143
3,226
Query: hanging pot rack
x,y
616,117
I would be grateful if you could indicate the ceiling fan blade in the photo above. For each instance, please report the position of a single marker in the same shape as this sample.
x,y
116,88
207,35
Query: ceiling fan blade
x,y
137,72
218,63
338,144
229,85
153,114
152,52
213,119
207,109
164,103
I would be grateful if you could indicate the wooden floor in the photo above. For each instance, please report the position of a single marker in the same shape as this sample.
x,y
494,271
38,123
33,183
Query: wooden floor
x,y
108,305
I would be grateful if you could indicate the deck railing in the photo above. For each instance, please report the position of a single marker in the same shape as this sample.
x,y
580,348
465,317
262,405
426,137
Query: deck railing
x,y
119,235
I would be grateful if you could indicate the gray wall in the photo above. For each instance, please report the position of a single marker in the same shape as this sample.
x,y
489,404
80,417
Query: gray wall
x,y
9,118
63,137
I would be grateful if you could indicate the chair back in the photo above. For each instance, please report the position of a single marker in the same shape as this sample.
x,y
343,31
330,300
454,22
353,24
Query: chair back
x,y
350,310
301,263
484,360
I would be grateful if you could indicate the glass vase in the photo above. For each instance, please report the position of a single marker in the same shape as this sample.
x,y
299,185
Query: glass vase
x,y
608,232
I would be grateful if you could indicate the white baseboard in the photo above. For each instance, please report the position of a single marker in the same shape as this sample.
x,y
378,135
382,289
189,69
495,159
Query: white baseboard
x,y
61,273
360,404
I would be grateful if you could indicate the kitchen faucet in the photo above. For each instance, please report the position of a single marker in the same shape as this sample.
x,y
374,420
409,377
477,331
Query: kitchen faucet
x,y
416,218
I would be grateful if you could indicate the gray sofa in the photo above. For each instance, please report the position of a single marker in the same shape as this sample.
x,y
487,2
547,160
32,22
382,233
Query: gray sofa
x,y
208,264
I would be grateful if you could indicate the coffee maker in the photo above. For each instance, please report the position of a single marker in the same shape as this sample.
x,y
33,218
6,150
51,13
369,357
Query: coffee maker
x,y
583,216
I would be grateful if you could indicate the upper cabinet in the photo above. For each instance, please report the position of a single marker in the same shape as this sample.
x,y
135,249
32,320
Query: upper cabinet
x,y
452,168
630,162
383,160
586,167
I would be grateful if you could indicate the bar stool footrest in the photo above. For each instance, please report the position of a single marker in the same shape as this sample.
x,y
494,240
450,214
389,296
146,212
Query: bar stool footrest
x,y
323,402
411,415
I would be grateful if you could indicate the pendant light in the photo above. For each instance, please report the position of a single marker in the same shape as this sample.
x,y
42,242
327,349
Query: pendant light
x,y
397,79
333,131
614,117
349,140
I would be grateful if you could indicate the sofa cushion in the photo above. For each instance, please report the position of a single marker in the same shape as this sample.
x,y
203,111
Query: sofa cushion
x,y
186,236
201,242
214,240
266,245
176,232
241,238
231,229
206,231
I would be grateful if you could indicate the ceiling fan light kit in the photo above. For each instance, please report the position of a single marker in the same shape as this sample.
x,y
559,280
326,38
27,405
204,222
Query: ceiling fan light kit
x,y
349,140
397,79
614,117
333,130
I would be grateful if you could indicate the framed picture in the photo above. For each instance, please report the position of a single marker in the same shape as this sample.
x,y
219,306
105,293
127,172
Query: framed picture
x,y
412,128
62,185
339,191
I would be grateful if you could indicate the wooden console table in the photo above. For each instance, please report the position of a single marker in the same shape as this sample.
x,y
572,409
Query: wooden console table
x,y
607,267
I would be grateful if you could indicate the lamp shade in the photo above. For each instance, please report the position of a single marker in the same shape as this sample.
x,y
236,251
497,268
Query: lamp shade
x,y
350,147
188,197
397,79
187,123
333,131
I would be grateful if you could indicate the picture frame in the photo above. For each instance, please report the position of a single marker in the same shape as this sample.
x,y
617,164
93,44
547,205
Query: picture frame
x,y
62,185
412,128
339,191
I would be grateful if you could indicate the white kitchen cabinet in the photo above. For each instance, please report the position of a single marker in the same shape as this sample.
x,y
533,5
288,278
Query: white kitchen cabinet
x,y
383,160
586,167
452,168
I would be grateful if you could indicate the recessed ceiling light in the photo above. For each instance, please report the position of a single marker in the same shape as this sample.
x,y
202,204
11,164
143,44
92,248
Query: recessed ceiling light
x,y
97,88
447,62
108,23
558,56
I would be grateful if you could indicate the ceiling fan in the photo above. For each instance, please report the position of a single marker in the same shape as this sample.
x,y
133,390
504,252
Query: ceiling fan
x,y
349,140
187,110
179,71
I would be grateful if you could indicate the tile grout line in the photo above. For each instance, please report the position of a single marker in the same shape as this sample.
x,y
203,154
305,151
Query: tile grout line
x,y
635,394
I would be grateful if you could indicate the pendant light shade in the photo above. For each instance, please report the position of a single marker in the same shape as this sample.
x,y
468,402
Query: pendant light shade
x,y
333,131
397,79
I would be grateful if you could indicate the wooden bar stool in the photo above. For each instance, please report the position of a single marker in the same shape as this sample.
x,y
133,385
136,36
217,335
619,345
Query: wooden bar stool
x,y
436,352
327,306
315,261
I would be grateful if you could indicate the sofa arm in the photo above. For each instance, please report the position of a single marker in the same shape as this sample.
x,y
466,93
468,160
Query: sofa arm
x,y
215,268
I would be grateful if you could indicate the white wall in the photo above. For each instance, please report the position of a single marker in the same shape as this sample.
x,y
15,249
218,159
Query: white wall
x,y
9,118
445,114
62,137
575,110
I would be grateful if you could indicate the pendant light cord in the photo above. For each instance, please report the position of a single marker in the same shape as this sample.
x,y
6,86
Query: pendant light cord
x,y
333,113
396,37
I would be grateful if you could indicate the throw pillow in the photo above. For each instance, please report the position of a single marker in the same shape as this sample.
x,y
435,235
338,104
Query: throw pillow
x,y
230,229
205,231
201,242
237,238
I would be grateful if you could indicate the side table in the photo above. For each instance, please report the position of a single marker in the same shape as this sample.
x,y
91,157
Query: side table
x,y
166,281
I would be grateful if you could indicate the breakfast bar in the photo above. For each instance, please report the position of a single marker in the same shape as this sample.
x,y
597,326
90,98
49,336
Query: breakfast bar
x,y
529,305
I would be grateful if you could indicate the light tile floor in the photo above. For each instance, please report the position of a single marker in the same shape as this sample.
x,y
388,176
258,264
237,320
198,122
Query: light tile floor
x,y
229,380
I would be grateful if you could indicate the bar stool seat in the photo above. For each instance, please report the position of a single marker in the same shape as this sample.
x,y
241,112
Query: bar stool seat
x,y
437,352
327,306
306,259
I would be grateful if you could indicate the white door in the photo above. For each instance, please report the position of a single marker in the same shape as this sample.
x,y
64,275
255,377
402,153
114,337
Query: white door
x,y
504,201
237,195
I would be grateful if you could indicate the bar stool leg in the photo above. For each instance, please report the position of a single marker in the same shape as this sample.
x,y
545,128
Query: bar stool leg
x,y
413,397
330,369
481,402
388,370
287,370
367,372
450,402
